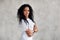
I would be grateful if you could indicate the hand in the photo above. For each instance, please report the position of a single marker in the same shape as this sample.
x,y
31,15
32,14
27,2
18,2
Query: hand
x,y
29,32
35,28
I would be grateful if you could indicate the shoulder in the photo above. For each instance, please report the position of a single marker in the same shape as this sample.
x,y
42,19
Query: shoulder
x,y
22,21
31,22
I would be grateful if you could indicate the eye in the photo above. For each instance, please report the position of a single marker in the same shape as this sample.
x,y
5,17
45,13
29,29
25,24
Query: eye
x,y
28,10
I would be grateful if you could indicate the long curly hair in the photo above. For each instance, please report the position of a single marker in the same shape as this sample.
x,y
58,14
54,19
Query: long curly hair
x,y
20,13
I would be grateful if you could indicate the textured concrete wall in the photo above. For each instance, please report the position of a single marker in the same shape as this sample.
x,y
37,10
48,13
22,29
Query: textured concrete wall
x,y
46,14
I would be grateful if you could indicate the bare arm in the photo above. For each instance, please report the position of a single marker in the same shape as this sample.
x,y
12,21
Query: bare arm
x,y
35,28
29,32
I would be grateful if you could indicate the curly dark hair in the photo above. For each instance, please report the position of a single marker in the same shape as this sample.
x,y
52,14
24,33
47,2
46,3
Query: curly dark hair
x,y
20,13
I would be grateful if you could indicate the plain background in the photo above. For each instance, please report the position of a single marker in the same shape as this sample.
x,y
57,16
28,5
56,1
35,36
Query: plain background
x,y
46,15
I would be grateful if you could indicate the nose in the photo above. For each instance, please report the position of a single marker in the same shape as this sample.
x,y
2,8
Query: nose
x,y
27,12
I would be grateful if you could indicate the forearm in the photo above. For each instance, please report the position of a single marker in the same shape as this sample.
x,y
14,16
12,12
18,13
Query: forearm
x,y
35,28
29,32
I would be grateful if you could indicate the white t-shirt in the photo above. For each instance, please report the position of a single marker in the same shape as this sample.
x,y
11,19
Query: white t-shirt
x,y
26,26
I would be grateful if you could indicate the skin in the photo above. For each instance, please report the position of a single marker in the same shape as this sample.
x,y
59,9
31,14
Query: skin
x,y
35,28
26,12
28,31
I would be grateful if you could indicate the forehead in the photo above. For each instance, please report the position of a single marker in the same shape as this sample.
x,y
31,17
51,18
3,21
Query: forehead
x,y
26,8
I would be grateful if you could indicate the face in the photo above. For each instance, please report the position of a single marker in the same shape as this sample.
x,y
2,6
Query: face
x,y
26,12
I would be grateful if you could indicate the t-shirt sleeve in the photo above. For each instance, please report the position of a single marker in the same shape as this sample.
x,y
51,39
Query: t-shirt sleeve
x,y
23,26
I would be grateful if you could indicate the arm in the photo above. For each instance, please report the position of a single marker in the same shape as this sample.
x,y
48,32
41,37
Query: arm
x,y
29,32
35,28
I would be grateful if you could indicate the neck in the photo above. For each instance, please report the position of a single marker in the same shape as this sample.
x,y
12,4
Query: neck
x,y
27,17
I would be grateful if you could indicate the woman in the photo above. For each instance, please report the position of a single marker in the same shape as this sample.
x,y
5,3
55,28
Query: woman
x,y
25,16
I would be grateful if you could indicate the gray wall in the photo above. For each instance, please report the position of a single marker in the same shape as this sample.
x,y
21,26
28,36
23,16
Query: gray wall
x,y
46,14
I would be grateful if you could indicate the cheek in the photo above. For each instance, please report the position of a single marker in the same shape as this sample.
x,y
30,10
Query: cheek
x,y
26,12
